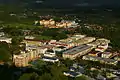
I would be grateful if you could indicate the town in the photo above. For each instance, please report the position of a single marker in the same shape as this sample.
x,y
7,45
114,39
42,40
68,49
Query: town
x,y
77,47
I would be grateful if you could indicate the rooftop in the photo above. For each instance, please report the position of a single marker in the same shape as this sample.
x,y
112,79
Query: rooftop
x,y
101,59
77,49
51,58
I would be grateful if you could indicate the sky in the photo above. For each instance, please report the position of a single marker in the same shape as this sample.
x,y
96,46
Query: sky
x,y
63,3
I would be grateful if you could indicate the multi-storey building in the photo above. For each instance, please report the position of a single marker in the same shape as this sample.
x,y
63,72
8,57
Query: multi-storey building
x,y
22,59
77,51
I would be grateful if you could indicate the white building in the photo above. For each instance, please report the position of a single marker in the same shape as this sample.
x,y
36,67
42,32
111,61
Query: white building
x,y
50,59
102,47
106,55
4,39
29,37
42,50
60,48
50,53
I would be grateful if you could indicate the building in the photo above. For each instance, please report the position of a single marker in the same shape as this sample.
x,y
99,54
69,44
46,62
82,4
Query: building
x,y
94,53
73,38
22,59
106,54
98,42
76,40
72,74
77,37
58,44
4,39
30,47
74,71
102,47
85,40
42,49
101,60
77,51
29,37
63,24
60,48
50,53
50,59
47,22
32,42
117,58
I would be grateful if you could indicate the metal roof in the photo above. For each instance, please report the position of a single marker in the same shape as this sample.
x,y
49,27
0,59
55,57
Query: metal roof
x,y
77,49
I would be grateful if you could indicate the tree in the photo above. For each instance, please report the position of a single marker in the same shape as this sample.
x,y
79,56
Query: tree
x,y
45,76
29,76
4,52
60,36
68,62
14,46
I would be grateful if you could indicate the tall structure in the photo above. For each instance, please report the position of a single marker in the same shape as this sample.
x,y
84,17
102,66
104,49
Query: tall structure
x,y
22,59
